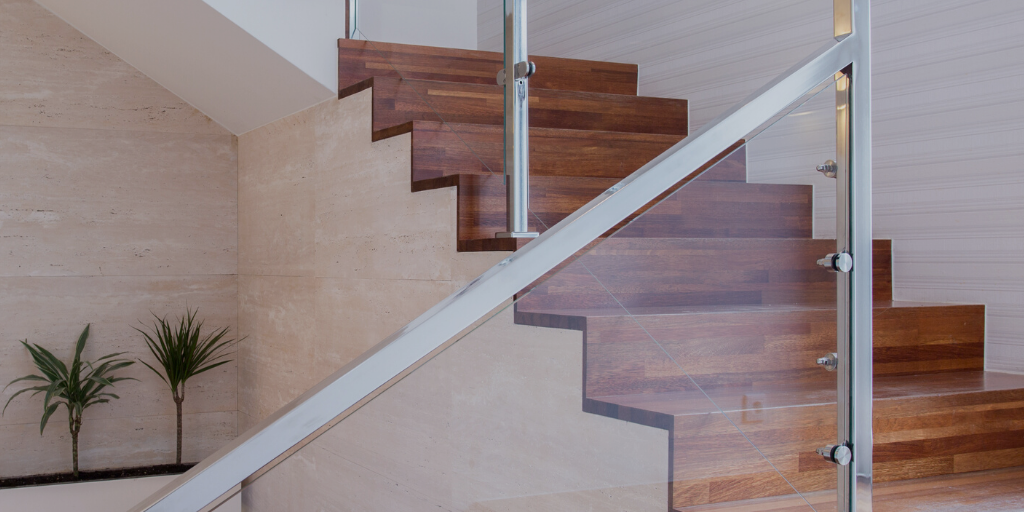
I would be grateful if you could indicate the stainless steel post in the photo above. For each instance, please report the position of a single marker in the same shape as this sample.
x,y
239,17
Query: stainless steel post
x,y
515,78
853,235
351,16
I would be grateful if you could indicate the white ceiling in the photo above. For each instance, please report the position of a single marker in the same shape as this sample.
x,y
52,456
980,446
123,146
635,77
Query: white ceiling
x,y
206,59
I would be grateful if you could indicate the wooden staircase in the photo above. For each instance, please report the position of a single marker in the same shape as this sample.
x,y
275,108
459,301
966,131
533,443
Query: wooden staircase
x,y
737,336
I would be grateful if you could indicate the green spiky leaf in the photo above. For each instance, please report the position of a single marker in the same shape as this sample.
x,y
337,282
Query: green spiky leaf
x,y
75,386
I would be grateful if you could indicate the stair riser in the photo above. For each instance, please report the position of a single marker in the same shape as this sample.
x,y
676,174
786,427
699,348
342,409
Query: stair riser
x,y
780,211
713,209
444,150
641,272
396,102
359,60
759,349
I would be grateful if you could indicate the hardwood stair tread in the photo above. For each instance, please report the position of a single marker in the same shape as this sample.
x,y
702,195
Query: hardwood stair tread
x,y
360,59
802,394
398,101
640,311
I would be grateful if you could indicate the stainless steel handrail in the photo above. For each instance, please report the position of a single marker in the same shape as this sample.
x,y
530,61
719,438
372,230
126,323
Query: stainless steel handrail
x,y
298,422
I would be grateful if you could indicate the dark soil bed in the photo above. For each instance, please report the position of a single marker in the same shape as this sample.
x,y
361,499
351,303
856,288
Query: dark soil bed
x,y
91,476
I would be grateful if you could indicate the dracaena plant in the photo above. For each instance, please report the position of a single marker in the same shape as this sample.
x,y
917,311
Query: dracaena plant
x,y
77,386
182,352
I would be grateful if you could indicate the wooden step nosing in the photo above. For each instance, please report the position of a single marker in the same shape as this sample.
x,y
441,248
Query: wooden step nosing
x,y
355,88
359,58
633,102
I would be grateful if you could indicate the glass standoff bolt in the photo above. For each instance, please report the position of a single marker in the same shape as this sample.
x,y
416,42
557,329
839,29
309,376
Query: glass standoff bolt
x,y
829,362
837,262
829,168
836,453
525,69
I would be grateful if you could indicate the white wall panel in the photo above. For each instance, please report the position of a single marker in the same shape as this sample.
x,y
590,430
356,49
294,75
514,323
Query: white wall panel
x,y
444,23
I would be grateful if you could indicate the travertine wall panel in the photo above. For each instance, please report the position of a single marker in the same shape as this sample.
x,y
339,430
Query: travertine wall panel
x,y
335,252
105,202
277,313
52,75
117,199
275,191
369,224
948,120
497,418
493,423
354,314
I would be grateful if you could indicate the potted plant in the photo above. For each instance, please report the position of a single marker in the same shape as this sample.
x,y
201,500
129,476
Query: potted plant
x,y
77,386
182,352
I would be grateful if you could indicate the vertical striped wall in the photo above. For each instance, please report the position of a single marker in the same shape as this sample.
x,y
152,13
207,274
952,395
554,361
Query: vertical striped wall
x,y
948,120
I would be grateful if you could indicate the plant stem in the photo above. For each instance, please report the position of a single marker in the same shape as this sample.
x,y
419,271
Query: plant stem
x,y
76,425
178,399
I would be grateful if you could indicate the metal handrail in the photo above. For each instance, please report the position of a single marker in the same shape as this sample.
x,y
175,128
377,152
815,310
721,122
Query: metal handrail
x,y
300,421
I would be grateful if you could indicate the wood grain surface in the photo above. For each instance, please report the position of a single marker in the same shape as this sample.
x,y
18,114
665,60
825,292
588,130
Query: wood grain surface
x,y
704,313
359,60
440,149
397,101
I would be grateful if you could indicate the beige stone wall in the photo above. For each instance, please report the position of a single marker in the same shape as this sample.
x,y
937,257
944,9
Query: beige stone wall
x,y
492,424
336,253
116,199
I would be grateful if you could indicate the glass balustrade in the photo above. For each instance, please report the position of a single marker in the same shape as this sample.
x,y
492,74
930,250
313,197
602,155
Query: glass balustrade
x,y
673,339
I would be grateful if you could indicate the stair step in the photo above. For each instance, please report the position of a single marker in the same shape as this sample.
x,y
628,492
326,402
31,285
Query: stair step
x,y
925,425
397,101
723,276
996,490
359,60
737,209
755,346
656,409
440,149
652,272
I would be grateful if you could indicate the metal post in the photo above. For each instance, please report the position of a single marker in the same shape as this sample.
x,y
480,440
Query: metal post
x,y
351,15
853,235
844,383
861,303
515,78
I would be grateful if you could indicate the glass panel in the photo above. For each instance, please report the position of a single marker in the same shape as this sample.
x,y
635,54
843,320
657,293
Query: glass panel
x,y
723,279
672,365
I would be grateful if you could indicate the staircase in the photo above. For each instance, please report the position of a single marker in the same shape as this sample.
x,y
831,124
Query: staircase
x,y
737,336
